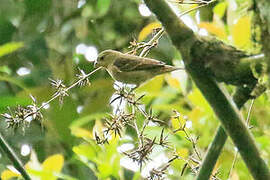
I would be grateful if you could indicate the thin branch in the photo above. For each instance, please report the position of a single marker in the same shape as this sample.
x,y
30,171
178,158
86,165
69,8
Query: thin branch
x,y
236,153
13,158
151,42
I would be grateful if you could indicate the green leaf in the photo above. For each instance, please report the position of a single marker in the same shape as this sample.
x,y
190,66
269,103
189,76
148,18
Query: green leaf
x,y
10,48
9,101
103,6
84,120
86,151
263,142
14,81
37,7
220,9
5,69
7,29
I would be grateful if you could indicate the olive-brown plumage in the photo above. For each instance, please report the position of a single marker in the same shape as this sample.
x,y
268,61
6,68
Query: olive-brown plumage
x,y
131,69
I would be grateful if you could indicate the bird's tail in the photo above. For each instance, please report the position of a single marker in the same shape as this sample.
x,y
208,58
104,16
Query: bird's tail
x,y
168,68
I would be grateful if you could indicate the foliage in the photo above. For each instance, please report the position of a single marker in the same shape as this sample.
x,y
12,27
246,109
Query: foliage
x,y
55,39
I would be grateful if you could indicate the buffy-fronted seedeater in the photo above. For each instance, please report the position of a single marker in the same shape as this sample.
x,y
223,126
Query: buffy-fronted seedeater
x,y
131,69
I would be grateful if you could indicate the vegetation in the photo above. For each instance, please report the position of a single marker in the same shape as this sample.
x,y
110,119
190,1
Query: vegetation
x,y
63,119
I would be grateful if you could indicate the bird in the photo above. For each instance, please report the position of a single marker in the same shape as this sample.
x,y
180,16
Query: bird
x,y
131,69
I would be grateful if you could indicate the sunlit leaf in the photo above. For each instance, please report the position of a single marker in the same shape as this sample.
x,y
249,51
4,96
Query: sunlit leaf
x,y
81,132
263,141
98,127
234,176
178,122
105,170
214,29
220,9
8,174
148,30
196,114
241,32
183,152
154,85
197,99
86,151
10,48
173,82
53,163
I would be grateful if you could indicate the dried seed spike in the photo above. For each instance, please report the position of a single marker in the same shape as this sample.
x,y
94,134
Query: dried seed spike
x,y
161,136
140,97
33,99
115,99
183,169
174,158
83,78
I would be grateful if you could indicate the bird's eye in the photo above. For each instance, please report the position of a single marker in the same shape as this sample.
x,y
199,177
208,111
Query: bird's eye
x,y
102,58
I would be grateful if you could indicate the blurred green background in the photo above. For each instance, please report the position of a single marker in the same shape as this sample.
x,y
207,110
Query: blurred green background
x,y
41,39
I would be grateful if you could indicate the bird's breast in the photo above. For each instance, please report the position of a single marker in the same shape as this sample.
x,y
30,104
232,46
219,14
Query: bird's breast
x,y
132,77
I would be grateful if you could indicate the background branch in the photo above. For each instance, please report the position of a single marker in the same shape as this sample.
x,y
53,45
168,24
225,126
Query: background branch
x,y
241,96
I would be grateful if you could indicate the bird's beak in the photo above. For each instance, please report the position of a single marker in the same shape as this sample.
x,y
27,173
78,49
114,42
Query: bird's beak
x,y
95,64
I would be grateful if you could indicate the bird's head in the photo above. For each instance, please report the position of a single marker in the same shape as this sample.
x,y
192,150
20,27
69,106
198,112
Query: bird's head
x,y
105,58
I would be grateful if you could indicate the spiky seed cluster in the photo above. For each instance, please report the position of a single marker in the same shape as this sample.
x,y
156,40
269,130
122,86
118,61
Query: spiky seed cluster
x,y
158,173
123,93
22,116
100,140
116,123
61,90
141,154
83,78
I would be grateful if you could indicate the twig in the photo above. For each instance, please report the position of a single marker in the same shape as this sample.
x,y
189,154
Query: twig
x,y
21,114
34,110
236,153
151,42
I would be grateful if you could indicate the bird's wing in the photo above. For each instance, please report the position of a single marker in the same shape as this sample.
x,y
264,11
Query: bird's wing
x,y
134,63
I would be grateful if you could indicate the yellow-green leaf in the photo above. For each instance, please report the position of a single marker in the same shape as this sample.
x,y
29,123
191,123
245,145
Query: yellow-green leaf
x,y
214,29
7,174
241,32
86,151
81,132
173,82
199,101
10,47
54,163
220,9
154,85
148,30
182,152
